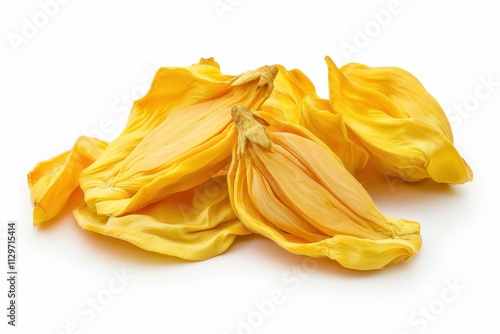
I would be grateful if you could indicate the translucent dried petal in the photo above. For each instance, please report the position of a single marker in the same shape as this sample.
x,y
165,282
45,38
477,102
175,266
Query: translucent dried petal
x,y
209,61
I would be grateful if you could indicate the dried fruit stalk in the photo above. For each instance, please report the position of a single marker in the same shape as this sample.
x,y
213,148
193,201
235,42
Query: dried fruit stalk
x,y
405,91
196,224
162,184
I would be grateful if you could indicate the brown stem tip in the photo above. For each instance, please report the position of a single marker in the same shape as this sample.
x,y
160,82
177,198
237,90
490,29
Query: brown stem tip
x,y
250,128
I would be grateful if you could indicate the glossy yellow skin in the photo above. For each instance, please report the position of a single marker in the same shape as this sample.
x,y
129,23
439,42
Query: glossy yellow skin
x,y
401,126
196,224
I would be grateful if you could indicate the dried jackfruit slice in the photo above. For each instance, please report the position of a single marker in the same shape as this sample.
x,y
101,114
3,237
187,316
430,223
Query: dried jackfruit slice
x,y
172,88
51,182
196,224
176,144
398,145
288,186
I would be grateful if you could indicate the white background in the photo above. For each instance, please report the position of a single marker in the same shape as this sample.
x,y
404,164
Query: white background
x,y
74,72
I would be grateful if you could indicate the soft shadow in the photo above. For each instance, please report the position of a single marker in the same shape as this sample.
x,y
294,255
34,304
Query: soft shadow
x,y
122,250
117,249
384,187
272,252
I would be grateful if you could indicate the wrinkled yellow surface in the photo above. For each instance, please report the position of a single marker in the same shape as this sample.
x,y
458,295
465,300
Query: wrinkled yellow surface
x,y
402,141
194,225
205,157
52,182
178,136
299,194
290,88
328,125
405,91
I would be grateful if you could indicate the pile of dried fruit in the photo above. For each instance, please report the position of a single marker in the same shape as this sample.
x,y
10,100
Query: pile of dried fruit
x,y
205,157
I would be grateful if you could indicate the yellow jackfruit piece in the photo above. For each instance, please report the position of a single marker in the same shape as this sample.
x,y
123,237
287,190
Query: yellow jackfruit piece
x,y
398,144
178,136
196,224
286,185
51,182
194,167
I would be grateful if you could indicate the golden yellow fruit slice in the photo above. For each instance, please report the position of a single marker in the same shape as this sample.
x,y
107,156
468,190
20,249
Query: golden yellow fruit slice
x,y
398,145
177,137
289,187
51,182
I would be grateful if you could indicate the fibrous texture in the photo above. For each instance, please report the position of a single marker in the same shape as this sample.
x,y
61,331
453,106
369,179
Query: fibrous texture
x,y
287,186
401,126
